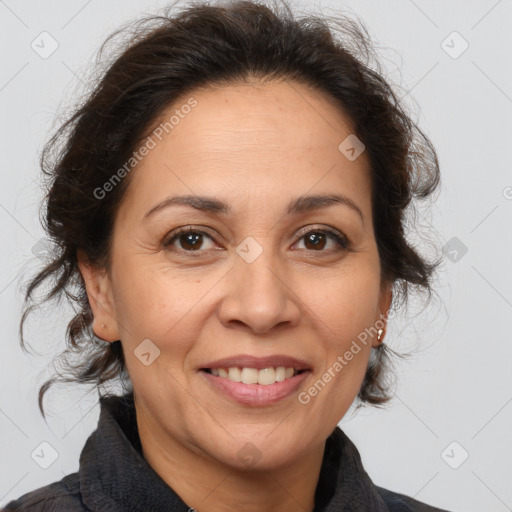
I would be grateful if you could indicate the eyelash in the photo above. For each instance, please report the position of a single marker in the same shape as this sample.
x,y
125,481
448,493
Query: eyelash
x,y
342,241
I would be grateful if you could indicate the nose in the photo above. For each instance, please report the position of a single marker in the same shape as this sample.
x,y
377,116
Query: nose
x,y
259,295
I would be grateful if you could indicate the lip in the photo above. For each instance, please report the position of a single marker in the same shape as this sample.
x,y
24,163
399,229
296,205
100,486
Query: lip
x,y
248,361
255,394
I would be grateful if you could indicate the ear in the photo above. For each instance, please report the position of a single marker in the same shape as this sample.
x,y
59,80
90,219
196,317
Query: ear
x,y
385,299
99,293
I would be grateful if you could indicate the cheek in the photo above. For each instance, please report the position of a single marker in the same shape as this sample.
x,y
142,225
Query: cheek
x,y
162,305
155,307
348,303
345,313
146,302
345,322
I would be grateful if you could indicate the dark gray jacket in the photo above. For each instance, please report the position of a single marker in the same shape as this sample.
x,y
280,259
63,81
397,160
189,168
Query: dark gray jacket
x,y
114,477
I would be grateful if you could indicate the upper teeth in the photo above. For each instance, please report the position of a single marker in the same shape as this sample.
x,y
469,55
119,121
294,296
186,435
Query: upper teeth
x,y
265,376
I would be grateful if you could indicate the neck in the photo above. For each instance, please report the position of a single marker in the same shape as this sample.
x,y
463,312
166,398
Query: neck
x,y
207,485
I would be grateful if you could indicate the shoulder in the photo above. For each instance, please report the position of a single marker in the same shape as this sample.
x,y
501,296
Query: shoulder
x,y
61,495
397,502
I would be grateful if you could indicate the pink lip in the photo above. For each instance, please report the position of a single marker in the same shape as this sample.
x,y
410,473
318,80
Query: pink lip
x,y
255,394
247,361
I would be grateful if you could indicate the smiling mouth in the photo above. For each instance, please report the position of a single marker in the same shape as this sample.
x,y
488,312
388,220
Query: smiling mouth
x,y
264,377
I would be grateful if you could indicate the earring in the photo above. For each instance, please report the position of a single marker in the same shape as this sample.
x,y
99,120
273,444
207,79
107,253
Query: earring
x,y
102,325
380,334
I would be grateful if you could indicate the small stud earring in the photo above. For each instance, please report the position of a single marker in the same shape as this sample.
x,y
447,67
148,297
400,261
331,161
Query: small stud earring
x,y
380,334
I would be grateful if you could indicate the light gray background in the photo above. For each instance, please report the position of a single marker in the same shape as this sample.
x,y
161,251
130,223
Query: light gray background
x,y
457,387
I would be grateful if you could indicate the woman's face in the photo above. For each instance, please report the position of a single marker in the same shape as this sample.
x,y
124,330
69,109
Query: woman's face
x,y
253,279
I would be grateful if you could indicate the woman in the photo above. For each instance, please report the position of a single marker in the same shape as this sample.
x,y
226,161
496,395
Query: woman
x,y
229,215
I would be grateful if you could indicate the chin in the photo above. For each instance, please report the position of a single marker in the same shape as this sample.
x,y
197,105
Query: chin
x,y
260,453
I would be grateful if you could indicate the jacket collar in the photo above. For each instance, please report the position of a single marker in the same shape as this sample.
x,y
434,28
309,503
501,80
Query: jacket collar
x,y
114,476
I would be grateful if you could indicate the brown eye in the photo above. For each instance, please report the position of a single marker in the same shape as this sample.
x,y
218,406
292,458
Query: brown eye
x,y
190,240
316,240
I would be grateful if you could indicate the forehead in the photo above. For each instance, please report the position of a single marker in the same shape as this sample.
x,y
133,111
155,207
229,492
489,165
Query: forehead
x,y
266,141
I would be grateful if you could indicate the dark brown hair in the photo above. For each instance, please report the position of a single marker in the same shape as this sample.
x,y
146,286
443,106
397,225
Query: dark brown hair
x,y
166,56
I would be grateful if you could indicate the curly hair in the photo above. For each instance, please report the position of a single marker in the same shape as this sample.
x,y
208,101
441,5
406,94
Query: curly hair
x,y
167,55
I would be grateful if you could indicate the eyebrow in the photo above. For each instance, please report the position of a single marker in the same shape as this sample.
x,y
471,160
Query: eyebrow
x,y
302,204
